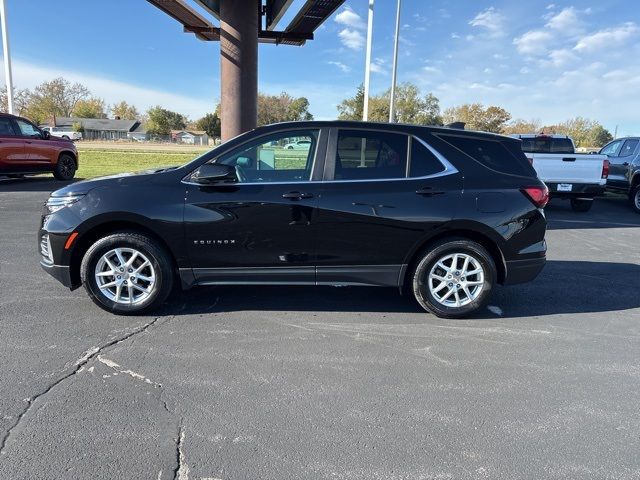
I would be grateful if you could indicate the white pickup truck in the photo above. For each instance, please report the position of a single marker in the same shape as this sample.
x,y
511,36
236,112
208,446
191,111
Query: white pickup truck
x,y
63,132
578,177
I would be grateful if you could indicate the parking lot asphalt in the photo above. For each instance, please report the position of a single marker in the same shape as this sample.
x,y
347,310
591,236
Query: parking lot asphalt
x,y
326,383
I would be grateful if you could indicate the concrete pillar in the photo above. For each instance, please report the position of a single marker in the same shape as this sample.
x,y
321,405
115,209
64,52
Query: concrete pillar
x,y
238,66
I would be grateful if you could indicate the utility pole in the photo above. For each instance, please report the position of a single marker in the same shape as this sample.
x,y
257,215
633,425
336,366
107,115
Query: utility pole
x,y
367,68
392,102
7,57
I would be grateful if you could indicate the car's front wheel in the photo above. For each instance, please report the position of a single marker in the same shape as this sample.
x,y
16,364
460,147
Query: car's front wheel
x,y
127,273
454,278
65,168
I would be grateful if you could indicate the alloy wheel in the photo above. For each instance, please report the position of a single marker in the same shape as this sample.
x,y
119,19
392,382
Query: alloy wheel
x,y
125,276
456,279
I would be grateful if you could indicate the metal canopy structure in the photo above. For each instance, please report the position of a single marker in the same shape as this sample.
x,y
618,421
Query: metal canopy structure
x,y
312,14
244,23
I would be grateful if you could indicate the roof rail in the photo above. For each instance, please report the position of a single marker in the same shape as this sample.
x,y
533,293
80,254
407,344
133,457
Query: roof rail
x,y
456,125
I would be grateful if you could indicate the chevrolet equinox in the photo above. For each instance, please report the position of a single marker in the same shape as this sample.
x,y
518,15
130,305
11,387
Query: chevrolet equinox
x,y
442,213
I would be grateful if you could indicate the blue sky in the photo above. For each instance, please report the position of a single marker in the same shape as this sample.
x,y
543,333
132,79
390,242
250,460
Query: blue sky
x,y
538,59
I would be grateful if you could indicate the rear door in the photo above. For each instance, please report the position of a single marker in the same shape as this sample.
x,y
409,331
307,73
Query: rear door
x,y
12,152
619,168
616,175
383,192
261,229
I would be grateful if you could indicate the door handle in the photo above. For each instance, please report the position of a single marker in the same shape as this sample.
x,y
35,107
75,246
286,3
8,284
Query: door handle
x,y
625,164
296,195
429,192
569,159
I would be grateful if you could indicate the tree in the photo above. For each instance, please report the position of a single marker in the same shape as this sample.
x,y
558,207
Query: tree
x,y
21,99
125,111
58,97
161,121
600,136
351,108
90,108
522,126
477,117
282,108
410,107
585,132
210,123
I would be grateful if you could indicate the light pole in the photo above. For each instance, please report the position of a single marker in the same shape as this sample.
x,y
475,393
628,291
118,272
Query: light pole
x,y
7,57
367,68
392,102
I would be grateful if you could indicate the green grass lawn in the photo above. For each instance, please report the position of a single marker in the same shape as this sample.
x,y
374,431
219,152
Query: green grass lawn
x,y
96,163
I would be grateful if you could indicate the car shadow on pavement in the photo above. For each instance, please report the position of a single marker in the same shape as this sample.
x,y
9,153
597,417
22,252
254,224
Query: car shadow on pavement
x,y
32,184
563,287
610,211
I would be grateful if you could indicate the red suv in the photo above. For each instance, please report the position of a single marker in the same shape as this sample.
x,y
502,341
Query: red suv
x,y
25,149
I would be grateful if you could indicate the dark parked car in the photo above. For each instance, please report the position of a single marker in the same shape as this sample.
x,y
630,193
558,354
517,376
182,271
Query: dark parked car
x,y
624,173
26,149
445,214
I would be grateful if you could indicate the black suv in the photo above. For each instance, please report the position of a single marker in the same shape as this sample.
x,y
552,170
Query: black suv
x,y
446,214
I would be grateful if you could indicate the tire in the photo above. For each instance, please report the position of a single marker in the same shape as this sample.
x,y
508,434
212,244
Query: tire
x,y
426,289
289,148
65,168
66,137
153,282
635,198
578,205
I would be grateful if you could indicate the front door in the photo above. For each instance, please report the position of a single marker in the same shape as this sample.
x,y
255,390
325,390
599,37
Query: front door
x,y
12,151
385,193
616,171
38,150
261,229
619,167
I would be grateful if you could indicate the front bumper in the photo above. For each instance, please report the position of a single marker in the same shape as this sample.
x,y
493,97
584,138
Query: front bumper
x,y
61,273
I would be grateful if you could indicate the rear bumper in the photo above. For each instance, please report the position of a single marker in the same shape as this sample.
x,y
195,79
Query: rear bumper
x,y
522,271
586,190
59,272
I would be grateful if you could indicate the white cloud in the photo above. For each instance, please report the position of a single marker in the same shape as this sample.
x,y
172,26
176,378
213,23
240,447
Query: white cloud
x,y
609,37
490,19
28,75
352,39
350,18
566,22
562,57
534,42
454,35
432,70
377,66
341,66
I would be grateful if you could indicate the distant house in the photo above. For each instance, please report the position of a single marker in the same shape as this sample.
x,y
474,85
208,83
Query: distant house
x,y
139,134
190,137
98,128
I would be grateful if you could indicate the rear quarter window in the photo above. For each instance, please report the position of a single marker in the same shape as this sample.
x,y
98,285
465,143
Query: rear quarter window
x,y
504,156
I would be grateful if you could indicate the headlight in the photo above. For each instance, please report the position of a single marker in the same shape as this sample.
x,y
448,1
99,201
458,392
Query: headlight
x,y
57,203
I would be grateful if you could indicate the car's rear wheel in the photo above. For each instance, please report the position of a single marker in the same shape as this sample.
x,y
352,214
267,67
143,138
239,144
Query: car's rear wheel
x,y
65,168
127,273
635,198
454,278
581,205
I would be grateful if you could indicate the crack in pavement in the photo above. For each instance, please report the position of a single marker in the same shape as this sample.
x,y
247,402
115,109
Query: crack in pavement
x,y
182,469
79,366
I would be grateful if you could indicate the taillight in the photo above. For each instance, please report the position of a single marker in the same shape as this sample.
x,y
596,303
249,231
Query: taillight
x,y
530,160
538,195
605,168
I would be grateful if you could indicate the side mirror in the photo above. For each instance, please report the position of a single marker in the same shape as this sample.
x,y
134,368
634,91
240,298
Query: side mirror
x,y
46,135
213,173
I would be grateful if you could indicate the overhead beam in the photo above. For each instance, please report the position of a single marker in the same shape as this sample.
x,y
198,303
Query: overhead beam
x,y
211,6
312,14
275,9
183,13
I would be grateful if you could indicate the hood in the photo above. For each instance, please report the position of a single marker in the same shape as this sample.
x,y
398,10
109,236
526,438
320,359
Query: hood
x,y
84,186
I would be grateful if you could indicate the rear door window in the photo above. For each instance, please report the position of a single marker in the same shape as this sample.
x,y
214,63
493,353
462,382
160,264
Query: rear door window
x,y
6,128
423,161
501,156
371,155
628,147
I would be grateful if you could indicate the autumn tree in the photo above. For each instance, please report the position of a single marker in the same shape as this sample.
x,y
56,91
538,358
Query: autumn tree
x,y
478,117
90,108
58,96
210,123
282,108
522,126
124,111
583,131
161,121
21,100
410,106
